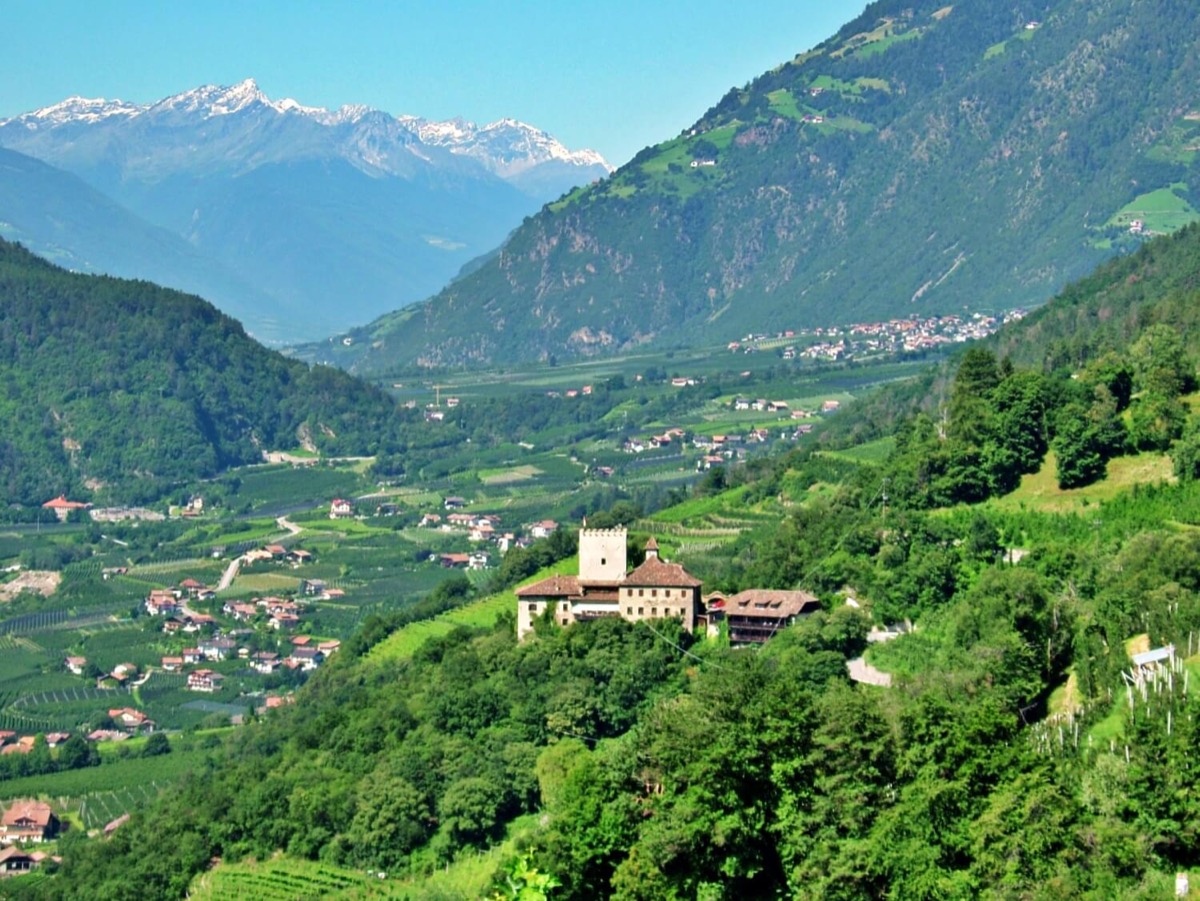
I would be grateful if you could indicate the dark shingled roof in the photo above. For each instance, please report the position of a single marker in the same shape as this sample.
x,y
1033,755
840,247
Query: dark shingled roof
x,y
767,602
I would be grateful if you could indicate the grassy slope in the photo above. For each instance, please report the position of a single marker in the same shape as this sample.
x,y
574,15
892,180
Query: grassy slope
x,y
480,614
1040,490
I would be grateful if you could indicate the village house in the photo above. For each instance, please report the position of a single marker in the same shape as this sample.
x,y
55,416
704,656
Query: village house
x,y
454,561
63,508
23,745
204,680
28,821
283,620
656,589
130,720
240,611
76,665
543,529
340,508
162,602
197,622
217,648
481,531
307,658
172,664
265,662
191,655
14,861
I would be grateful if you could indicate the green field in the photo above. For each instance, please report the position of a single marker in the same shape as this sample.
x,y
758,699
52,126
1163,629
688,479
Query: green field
x,y
1161,211
482,614
871,452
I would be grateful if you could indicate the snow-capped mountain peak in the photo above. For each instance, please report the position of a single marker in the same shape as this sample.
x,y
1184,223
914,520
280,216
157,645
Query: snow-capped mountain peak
x,y
365,136
76,109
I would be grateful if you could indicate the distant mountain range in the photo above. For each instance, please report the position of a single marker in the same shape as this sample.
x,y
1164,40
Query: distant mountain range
x,y
931,157
307,220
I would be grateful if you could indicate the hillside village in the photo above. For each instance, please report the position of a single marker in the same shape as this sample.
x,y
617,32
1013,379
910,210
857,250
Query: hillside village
x,y
871,339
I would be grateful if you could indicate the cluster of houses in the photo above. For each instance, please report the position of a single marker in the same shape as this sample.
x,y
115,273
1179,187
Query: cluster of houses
x,y
872,338
655,590
277,553
654,442
305,654
482,529
63,507
12,743
582,391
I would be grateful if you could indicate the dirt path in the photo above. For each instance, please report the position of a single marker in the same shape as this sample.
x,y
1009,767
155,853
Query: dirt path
x,y
861,671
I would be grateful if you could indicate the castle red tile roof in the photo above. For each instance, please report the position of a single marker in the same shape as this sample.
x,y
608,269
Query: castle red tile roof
x,y
555,586
657,573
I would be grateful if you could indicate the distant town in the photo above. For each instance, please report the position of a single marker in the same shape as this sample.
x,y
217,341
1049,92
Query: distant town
x,y
870,339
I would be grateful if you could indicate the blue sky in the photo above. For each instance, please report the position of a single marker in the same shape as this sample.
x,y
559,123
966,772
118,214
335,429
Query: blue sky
x,y
614,75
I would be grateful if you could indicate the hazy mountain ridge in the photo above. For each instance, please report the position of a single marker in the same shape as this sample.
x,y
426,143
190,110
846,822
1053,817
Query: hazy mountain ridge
x,y
928,158
332,216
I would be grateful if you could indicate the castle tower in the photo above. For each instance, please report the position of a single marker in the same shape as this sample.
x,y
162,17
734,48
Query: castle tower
x,y
602,555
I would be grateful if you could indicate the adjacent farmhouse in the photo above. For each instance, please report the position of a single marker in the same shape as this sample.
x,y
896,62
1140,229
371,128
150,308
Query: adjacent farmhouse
x,y
754,615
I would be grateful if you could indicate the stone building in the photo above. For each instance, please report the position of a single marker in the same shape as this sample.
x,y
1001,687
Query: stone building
x,y
654,590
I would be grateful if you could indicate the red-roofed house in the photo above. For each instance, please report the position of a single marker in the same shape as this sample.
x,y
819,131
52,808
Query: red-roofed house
x,y
756,614
131,720
204,680
28,821
62,507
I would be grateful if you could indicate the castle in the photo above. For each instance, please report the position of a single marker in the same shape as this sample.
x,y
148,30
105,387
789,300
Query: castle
x,y
654,590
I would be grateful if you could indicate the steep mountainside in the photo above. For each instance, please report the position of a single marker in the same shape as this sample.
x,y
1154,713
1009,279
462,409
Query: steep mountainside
x,y
59,217
931,157
117,389
335,216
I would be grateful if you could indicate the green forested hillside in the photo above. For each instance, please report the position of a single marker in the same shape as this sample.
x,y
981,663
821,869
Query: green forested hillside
x,y
930,157
1019,751
1006,760
118,388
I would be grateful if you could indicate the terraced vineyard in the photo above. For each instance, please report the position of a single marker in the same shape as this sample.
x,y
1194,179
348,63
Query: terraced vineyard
x,y
282,880
98,809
